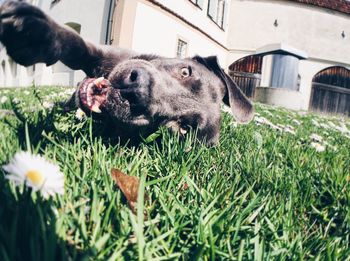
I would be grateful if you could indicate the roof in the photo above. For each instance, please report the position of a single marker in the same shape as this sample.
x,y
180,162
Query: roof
x,y
281,48
342,6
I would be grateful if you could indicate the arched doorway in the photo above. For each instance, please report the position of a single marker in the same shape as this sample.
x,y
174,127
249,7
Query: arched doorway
x,y
246,72
331,91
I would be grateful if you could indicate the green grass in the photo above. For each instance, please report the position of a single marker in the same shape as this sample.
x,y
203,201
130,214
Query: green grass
x,y
261,194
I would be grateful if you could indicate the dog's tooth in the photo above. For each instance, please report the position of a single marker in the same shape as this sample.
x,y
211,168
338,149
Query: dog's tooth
x,y
98,82
88,100
95,108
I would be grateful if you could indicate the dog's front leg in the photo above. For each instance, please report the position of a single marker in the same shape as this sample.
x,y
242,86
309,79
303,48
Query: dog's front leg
x,y
30,36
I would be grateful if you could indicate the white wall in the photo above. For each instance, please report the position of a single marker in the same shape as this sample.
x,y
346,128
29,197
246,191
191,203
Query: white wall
x,y
199,17
314,30
157,32
91,14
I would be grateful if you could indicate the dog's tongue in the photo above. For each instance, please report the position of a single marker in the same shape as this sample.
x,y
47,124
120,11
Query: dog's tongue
x,y
94,92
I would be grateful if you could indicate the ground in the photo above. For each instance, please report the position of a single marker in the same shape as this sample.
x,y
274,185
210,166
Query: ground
x,y
277,188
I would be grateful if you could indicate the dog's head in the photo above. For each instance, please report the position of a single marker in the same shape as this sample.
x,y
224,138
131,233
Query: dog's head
x,y
145,92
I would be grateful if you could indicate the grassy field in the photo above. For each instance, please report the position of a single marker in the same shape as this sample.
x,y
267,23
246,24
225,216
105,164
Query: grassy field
x,y
275,189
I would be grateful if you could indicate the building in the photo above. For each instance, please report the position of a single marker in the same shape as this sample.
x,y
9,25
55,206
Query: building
x,y
292,53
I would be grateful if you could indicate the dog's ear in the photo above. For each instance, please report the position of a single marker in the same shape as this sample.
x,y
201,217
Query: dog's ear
x,y
242,108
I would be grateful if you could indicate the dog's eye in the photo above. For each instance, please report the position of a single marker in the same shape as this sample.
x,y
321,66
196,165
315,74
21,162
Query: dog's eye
x,y
186,72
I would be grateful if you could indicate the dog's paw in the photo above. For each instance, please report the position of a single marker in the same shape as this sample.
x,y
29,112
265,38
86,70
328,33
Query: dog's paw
x,y
28,34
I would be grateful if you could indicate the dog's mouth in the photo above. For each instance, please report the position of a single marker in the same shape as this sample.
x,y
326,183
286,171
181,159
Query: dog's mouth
x,y
93,93
98,95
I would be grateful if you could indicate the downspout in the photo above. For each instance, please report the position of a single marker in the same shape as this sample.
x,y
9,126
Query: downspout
x,y
112,5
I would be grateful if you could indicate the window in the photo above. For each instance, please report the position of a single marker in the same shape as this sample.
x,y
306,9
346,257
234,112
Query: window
x,y
198,3
181,50
217,12
280,71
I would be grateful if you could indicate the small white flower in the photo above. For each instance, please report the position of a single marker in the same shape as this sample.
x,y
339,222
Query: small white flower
x,y
262,120
316,137
332,125
15,100
325,126
315,123
47,105
79,114
343,128
35,172
295,121
3,99
26,93
318,147
278,127
289,129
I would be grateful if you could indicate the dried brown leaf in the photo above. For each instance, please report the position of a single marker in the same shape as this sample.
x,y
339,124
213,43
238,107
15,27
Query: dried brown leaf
x,y
129,185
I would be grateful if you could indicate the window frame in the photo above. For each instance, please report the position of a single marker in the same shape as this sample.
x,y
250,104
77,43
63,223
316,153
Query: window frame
x,y
222,16
178,40
195,2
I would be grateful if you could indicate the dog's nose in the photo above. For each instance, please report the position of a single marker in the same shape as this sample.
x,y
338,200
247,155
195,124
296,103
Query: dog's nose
x,y
136,77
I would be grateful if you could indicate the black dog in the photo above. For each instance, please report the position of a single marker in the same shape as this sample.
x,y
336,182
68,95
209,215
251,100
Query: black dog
x,y
138,93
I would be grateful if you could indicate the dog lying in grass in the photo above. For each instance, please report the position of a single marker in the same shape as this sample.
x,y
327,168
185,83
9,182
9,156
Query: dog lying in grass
x,y
137,93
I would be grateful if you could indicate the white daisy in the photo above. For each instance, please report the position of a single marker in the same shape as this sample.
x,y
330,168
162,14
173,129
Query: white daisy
x,y
3,99
35,172
47,105
79,114
318,147
289,129
332,125
325,126
316,137
295,121
315,122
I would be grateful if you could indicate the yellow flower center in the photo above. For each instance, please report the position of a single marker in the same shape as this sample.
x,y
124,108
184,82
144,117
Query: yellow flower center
x,y
35,177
